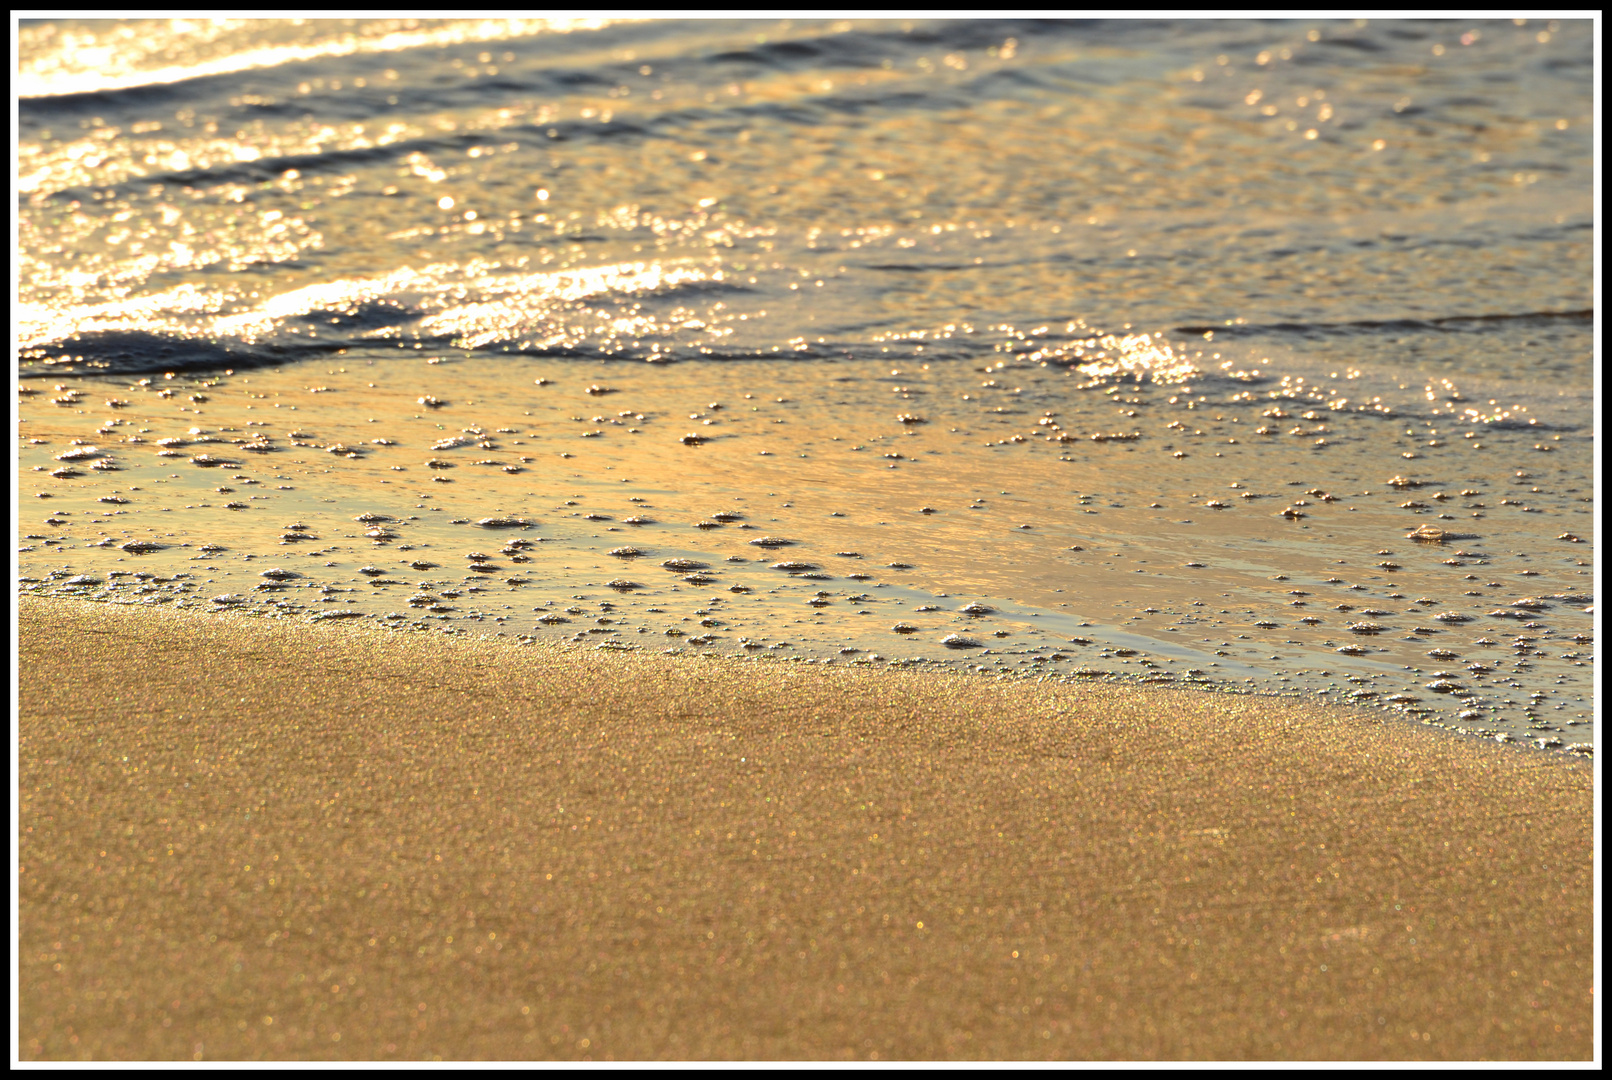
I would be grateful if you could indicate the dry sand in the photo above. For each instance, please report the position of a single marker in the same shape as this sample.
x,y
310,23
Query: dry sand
x,y
248,840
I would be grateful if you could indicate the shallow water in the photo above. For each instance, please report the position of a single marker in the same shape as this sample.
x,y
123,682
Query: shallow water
x,y
1005,310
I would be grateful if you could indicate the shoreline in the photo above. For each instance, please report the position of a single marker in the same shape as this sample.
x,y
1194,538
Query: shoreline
x,y
1094,559
400,847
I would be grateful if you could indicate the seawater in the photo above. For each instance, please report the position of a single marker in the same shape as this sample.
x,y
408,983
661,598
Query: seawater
x,y
1071,349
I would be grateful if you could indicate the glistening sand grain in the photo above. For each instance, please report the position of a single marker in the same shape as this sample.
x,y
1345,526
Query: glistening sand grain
x,y
282,841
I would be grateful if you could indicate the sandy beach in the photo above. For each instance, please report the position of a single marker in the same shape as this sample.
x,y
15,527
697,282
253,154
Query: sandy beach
x,y
242,839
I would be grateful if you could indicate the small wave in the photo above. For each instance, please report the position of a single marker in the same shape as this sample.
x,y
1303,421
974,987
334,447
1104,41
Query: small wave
x,y
136,352
100,60
359,317
1513,423
871,47
1446,324
920,268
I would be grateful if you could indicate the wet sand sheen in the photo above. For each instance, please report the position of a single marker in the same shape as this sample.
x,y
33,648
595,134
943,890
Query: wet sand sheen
x,y
319,842
1102,546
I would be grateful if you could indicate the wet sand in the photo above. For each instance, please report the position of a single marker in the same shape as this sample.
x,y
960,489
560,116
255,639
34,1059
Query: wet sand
x,y
275,840
357,502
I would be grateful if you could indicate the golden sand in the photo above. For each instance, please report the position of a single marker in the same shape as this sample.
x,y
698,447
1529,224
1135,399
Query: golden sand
x,y
242,839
